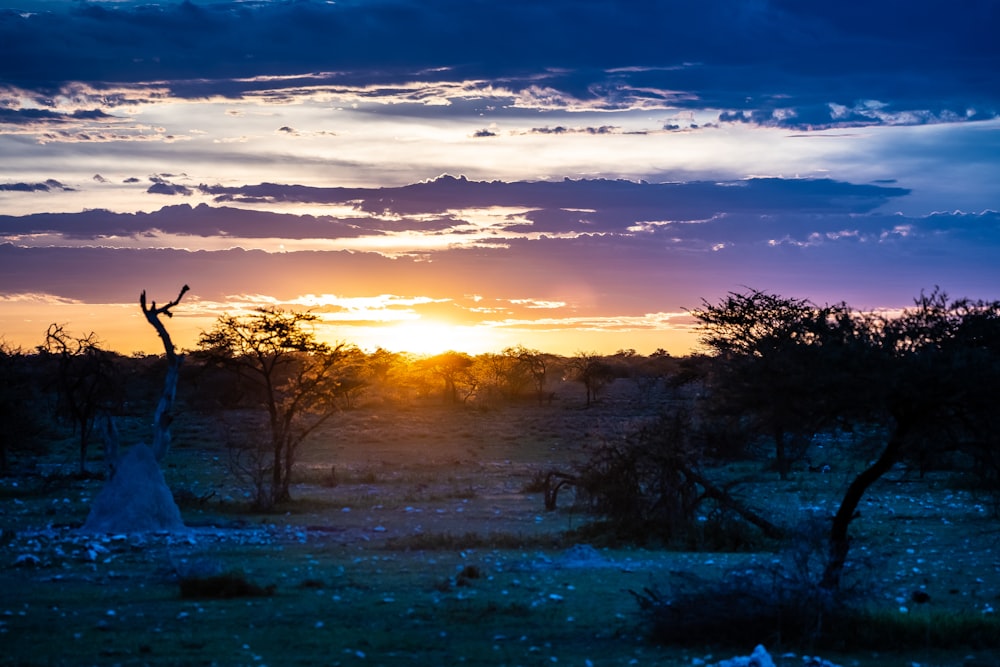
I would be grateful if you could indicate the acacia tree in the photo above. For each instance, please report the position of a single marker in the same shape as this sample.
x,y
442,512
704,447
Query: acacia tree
x,y
537,366
778,363
452,368
296,377
593,372
934,375
86,378
18,404
930,374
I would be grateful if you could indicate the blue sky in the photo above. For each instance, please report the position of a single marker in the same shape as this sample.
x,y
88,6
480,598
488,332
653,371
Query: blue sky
x,y
566,175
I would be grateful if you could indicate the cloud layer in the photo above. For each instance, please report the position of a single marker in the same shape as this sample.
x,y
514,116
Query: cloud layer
x,y
611,164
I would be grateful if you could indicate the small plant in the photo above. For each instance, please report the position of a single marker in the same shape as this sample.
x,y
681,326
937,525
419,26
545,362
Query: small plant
x,y
221,587
467,575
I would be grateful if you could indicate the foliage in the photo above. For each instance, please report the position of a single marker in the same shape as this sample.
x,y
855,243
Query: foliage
x,y
648,485
453,369
533,364
19,405
298,381
925,376
594,372
784,365
87,381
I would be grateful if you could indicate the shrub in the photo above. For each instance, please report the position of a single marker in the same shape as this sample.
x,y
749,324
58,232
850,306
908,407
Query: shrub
x,y
649,488
780,603
221,586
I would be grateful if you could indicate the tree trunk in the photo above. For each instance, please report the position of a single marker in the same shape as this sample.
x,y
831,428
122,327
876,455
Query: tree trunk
x,y
164,415
276,476
780,453
840,542
286,493
723,498
83,454
112,445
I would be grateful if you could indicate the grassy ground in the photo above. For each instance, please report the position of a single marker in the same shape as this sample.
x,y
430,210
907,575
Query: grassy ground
x,y
431,550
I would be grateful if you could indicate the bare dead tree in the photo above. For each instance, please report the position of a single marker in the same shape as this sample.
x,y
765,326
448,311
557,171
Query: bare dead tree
x,y
164,409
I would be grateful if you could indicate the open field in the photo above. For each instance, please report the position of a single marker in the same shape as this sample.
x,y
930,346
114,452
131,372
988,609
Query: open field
x,y
433,549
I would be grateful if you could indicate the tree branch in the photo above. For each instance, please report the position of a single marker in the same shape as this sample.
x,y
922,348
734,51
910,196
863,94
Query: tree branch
x,y
153,313
163,416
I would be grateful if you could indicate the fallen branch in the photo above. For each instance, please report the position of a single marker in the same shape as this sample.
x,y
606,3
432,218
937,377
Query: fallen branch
x,y
552,487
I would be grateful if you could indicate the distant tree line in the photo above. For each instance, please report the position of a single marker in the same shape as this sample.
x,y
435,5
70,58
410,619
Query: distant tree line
x,y
269,365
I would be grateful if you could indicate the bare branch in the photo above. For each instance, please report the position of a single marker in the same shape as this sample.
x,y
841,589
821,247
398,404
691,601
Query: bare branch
x,y
163,416
153,313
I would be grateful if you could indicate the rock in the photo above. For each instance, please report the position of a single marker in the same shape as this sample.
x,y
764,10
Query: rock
x,y
27,560
759,658
136,499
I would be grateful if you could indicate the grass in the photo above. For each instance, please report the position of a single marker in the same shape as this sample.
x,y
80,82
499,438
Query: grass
x,y
882,629
452,542
448,557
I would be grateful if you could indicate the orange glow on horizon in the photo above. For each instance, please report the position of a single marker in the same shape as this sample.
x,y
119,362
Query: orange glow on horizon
x,y
428,337
122,328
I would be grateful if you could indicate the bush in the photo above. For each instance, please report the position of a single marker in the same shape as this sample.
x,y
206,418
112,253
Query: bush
x,y
649,488
777,604
221,586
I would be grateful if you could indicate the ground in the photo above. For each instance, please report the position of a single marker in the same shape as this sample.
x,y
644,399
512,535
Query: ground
x,y
434,548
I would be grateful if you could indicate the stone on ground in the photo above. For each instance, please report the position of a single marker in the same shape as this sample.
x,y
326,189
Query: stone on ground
x,y
759,658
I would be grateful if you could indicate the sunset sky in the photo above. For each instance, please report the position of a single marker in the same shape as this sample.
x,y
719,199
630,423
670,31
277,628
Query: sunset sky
x,y
569,175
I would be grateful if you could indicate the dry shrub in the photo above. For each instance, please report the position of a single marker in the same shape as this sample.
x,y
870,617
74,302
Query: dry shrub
x,y
221,586
649,488
780,603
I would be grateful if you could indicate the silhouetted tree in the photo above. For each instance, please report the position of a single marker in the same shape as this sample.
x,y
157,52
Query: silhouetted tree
x,y
450,367
86,379
537,366
930,374
385,370
593,372
934,377
778,365
19,402
298,381
163,415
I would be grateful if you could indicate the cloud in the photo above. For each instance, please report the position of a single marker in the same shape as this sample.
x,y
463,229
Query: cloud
x,y
612,204
752,62
37,117
161,186
559,129
48,186
690,214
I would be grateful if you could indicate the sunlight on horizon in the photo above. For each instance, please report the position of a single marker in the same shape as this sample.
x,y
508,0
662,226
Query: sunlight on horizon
x,y
429,337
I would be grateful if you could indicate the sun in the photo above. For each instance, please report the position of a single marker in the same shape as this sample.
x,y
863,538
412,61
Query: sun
x,y
426,337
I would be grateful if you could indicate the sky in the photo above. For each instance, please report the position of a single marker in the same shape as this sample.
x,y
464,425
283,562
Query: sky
x,y
570,175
